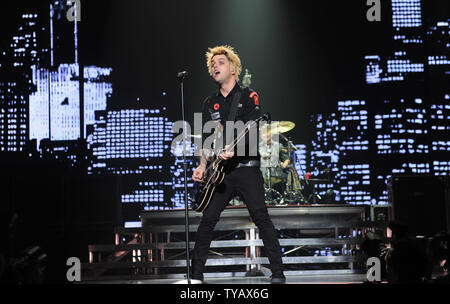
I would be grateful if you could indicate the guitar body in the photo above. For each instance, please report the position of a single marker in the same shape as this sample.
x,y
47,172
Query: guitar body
x,y
202,192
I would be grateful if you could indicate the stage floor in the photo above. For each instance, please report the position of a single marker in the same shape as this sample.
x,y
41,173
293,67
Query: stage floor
x,y
292,279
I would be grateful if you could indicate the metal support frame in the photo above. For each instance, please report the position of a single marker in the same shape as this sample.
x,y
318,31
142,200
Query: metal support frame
x,y
153,255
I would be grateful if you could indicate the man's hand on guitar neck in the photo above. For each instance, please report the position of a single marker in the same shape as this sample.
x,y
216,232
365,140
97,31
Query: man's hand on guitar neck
x,y
225,154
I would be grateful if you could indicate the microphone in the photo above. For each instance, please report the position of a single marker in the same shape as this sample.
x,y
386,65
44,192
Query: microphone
x,y
182,75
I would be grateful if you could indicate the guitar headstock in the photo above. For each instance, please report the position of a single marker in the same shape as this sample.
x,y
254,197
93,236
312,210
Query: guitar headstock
x,y
266,117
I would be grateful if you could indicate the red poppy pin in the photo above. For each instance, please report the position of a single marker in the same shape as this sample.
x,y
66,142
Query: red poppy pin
x,y
216,106
255,97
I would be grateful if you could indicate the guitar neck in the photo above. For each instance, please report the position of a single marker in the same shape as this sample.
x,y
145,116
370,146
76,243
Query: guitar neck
x,y
240,136
238,139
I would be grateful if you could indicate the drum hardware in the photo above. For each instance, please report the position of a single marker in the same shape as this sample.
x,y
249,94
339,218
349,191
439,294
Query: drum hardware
x,y
293,197
293,192
271,196
291,146
273,175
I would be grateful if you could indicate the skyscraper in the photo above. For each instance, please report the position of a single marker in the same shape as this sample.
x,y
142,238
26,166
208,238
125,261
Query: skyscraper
x,y
26,48
354,158
63,123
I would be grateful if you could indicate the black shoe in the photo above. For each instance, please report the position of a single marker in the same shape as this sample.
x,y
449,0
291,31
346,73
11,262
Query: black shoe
x,y
196,272
278,279
196,281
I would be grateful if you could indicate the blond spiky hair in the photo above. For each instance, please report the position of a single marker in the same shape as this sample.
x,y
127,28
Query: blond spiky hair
x,y
231,55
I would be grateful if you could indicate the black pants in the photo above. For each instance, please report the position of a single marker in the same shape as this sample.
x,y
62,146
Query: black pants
x,y
249,184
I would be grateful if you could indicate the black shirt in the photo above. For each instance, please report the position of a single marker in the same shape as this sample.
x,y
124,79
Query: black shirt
x,y
217,108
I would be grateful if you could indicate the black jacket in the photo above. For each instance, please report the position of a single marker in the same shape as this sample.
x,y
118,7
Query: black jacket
x,y
217,108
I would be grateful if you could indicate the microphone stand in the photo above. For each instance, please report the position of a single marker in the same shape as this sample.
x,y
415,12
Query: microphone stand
x,y
181,76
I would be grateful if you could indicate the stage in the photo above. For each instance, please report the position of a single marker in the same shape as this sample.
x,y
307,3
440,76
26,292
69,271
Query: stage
x,y
320,244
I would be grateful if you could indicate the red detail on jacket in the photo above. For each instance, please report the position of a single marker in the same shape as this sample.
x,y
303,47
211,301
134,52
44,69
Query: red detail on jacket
x,y
255,97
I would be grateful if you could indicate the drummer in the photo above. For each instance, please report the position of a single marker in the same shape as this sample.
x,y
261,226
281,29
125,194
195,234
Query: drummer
x,y
274,161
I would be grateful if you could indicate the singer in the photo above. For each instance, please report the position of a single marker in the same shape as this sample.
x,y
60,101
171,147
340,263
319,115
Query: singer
x,y
243,175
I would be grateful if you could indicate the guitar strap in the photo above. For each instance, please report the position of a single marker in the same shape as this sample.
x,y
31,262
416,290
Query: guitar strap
x,y
233,110
234,106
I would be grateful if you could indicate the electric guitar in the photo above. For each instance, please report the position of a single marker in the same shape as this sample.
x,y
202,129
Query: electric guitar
x,y
202,192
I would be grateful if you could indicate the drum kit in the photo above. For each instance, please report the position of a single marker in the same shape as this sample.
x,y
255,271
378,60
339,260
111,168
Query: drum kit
x,y
282,183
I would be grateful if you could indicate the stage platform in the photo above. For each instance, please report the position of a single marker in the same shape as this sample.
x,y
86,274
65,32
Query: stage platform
x,y
283,217
319,242
291,279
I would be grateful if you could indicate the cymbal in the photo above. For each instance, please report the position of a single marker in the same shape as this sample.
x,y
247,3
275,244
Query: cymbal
x,y
280,127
